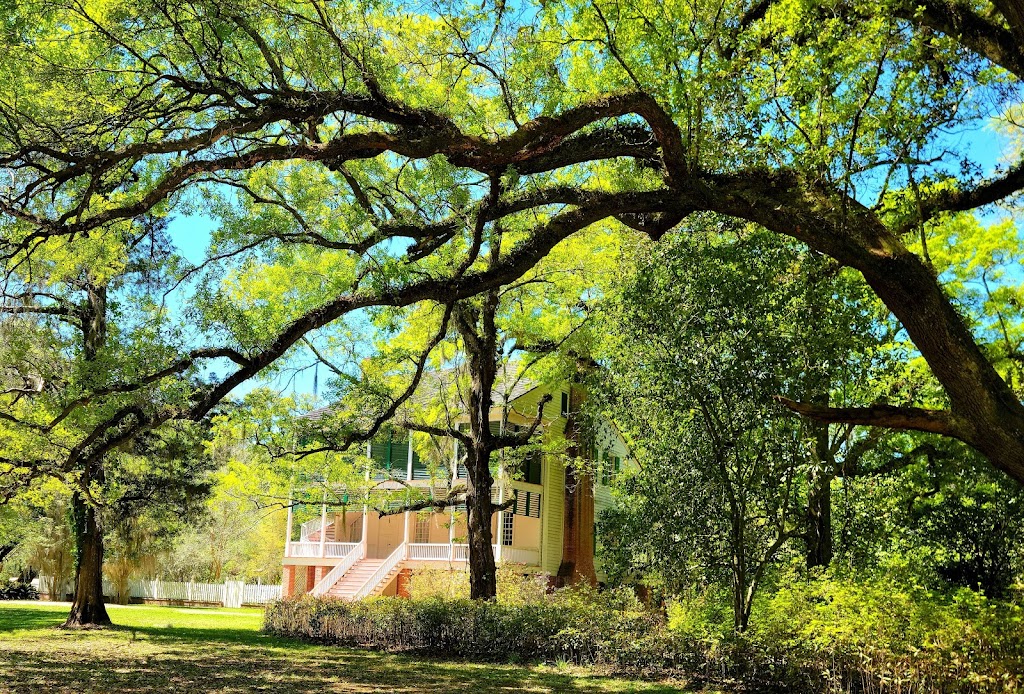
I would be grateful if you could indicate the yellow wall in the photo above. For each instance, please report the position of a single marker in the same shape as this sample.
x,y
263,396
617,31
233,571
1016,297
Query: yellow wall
x,y
384,535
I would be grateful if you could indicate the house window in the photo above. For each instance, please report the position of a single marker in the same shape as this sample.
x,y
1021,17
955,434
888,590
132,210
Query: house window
x,y
390,454
527,503
508,519
530,468
565,404
422,535
610,466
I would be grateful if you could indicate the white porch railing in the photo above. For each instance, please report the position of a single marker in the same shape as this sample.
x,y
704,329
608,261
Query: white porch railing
x,y
325,584
431,552
312,549
339,549
460,553
308,528
303,549
389,564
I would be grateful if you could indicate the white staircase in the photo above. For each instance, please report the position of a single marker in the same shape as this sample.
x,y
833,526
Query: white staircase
x,y
367,577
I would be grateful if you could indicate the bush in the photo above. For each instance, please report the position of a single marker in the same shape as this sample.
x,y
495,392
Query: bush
x,y
578,626
821,635
18,591
515,586
827,635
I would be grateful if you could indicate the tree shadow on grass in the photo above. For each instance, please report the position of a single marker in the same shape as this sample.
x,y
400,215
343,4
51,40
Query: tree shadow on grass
x,y
242,669
147,659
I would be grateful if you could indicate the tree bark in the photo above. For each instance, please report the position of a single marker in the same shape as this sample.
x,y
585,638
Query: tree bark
x,y
818,530
481,345
483,583
819,517
577,564
88,609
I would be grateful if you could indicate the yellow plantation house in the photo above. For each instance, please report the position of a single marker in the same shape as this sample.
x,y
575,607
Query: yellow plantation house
x,y
355,551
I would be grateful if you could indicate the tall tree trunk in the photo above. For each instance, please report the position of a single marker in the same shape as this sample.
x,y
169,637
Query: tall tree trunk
x,y
483,584
88,608
819,501
819,519
481,349
577,564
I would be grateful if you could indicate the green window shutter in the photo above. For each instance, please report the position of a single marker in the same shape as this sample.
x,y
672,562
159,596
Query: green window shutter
x,y
400,456
605,470
526,503
380,453
420,471
533,469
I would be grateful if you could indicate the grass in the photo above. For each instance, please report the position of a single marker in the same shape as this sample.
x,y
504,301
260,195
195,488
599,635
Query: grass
x,y
160,649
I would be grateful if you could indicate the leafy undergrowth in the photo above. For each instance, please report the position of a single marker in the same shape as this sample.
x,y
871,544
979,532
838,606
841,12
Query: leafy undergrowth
x,y
160,649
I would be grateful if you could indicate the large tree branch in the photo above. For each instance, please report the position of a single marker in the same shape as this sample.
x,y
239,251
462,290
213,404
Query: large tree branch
x,y
959,20
890,417
1010,183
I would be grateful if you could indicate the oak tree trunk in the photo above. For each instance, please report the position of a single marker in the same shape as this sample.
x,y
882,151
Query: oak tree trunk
x,y
577,564
819,501
483,583
479,334
88,609
819,519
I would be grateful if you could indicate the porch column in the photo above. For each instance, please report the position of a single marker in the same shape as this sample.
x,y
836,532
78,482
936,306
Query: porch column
x,y
366,521
323,528
405,533
408,463
501,524
451,535
362,540
288,533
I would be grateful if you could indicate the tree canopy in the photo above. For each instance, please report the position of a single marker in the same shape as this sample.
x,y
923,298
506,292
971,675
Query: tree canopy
x,y
363,156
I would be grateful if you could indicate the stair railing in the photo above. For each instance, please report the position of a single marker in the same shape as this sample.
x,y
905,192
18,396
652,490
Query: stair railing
x,y
393,560
335,574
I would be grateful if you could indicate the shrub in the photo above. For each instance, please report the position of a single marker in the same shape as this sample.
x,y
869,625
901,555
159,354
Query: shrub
x,y
827,635
579,626
18,591
515,585
821,635
874,636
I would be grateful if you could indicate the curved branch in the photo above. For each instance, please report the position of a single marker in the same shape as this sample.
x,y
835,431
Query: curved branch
x,y
887,416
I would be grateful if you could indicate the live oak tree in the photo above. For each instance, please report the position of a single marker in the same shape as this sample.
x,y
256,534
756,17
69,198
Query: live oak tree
x,y
360,152
84,394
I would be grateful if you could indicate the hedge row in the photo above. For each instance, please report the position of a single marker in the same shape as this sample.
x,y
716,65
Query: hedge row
x,y
605,632
818,636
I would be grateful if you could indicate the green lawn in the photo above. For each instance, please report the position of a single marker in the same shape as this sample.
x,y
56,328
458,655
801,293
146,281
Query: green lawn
x,y
161,649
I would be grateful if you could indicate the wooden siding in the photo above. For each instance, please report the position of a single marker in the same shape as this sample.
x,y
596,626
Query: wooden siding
x,y
551,515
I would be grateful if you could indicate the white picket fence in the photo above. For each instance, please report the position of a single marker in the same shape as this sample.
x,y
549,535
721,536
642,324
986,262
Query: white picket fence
x,y
228,594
